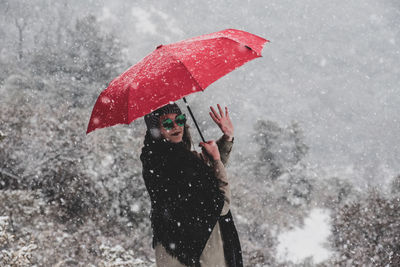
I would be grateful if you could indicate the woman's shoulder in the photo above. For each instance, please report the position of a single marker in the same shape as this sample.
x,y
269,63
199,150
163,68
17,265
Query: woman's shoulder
x,y
197,154
151,155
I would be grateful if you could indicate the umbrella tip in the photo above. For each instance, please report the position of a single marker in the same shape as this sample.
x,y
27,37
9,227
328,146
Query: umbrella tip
x,y
159,46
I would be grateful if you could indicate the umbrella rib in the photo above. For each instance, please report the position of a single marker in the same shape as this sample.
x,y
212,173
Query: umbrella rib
x,y
245,45
224,37
129,90
177,59
219,37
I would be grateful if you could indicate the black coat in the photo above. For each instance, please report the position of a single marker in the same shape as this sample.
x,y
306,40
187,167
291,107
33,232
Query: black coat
x,y
186,203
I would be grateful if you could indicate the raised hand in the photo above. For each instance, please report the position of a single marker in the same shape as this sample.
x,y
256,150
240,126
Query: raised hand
x,y
223,121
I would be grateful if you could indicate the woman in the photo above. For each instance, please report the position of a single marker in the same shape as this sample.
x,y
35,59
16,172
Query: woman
x,y
189,192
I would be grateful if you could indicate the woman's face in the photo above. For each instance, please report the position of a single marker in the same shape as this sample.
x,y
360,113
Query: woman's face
x,y
173,135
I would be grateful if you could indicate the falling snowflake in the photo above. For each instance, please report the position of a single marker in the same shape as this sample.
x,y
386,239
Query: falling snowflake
x,y
105,100
135,85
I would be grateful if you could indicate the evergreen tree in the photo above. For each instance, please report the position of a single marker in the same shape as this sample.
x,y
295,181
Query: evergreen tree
x,y
280,149
367,232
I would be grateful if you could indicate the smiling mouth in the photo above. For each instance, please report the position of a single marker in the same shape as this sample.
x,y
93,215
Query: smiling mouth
x,y
176,134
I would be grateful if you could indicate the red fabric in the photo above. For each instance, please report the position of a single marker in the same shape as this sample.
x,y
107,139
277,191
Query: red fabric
x,y
171,72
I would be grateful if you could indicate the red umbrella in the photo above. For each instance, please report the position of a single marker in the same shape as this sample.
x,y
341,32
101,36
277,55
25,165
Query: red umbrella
x,y
171,72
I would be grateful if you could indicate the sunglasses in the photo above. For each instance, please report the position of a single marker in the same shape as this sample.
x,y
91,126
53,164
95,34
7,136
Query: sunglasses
x,y
168,124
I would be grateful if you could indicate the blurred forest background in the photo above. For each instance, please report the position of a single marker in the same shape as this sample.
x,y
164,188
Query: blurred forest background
x,y
316,120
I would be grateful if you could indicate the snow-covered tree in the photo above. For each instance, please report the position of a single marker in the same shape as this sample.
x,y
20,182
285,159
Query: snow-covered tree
x,y
395,186
279,160
367,232
83,64
280,148
15,251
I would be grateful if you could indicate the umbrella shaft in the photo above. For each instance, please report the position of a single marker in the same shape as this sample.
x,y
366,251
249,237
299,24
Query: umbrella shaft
x,y
195,122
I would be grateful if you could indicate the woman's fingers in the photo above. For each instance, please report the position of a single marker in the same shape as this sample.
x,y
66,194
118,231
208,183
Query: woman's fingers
x,y
204,146
211,149
214,118
222,120
220,110
215,113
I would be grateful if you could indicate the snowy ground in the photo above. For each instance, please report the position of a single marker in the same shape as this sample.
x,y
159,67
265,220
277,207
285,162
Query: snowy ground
x,y
307,241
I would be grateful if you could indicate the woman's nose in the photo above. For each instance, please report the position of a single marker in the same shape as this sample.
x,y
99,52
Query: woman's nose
x,y
175,125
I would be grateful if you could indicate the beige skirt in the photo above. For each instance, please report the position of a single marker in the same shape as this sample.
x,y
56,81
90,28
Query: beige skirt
x,y
212,256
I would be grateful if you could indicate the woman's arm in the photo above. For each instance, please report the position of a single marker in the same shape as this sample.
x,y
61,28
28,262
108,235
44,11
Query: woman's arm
x,y
220,173
211,149
225,148
225,124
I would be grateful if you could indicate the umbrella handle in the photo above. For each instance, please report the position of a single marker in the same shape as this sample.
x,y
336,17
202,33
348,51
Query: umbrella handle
x,y
191,114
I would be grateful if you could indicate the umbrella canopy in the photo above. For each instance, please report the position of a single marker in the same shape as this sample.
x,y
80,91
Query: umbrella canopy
x,y
171,72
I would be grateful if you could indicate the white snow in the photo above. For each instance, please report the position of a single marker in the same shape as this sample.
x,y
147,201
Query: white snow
x,y
302,242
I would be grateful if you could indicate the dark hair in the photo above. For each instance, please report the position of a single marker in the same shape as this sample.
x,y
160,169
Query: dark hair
x,y
187,138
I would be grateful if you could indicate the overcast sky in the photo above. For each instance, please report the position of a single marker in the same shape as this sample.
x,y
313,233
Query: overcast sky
x,y
333,66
